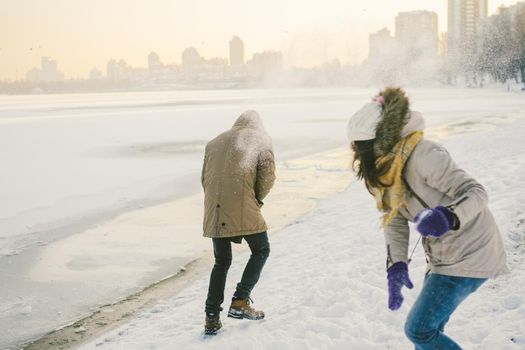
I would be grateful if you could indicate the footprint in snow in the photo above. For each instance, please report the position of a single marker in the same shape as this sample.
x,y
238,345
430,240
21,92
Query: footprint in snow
x,y
511,302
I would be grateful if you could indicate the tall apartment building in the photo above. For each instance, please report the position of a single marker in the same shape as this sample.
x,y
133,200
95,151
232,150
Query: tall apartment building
x,y
381,46
236,51
154,62
191,59
464,21
417,32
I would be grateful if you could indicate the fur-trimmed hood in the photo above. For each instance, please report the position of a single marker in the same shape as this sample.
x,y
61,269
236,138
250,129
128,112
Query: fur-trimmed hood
x,y
386,120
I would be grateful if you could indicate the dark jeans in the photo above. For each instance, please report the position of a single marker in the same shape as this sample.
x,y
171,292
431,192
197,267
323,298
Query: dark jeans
x,y
222,250
439,298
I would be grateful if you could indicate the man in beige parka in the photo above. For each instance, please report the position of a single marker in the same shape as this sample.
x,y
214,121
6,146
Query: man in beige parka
x,y
238,173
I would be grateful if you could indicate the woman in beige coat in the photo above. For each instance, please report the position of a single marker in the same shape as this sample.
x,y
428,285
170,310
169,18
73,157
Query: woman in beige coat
x,y
238,173
415,180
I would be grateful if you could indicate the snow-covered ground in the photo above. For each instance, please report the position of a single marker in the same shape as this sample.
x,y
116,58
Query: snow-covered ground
x,y
324,285
88,180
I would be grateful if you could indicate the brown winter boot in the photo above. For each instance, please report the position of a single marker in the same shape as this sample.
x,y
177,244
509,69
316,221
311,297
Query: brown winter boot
x,y
240,308
212,324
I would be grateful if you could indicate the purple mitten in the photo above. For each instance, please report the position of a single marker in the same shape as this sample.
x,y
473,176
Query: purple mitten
x,y
434,222
397,276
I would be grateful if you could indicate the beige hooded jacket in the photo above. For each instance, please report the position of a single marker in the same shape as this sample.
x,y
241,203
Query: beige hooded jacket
x,y
238,173
432,178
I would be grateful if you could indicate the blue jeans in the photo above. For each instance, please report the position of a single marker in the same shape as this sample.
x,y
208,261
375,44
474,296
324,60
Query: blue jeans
x,y
440,297
222,250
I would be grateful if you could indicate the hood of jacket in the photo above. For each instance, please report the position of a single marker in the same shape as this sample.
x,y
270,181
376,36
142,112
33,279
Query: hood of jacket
x,y
250,138
249,119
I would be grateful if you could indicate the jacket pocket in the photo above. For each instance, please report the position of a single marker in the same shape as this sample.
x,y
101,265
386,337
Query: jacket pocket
x,y
452,247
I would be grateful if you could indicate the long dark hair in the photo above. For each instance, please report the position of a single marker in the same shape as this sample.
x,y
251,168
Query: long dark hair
x,y
364,164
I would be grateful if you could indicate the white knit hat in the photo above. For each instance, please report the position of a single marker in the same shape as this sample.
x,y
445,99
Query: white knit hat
x,y
362,125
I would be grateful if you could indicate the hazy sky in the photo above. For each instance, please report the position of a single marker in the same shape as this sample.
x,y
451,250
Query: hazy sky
x,y
82,34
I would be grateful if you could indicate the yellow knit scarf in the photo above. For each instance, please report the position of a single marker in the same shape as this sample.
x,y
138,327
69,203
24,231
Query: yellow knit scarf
x,y
390,199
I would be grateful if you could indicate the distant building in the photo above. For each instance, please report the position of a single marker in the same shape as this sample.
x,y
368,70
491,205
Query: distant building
x,y
154,62
381,46
191,59
464,22
443,44
118,70
417,33
113,70
217,61
33,75
48,72
236,52
95,74
266,62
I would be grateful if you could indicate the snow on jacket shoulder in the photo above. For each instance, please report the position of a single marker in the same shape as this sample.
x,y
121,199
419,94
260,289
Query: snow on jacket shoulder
x,y
476,248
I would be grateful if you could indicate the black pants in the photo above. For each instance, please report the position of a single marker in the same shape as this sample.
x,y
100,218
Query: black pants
x,y
222,250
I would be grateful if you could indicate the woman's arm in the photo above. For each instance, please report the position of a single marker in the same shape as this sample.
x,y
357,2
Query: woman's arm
x,y
441,172
396,239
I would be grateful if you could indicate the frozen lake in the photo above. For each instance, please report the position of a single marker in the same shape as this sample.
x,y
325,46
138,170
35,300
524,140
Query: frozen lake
x,y
71,162
71,158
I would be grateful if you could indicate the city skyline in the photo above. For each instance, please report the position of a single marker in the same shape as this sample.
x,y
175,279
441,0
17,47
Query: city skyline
x,y
80,36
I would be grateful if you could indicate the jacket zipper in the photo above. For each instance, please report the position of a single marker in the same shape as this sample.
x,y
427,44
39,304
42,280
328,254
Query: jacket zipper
x,y
388,256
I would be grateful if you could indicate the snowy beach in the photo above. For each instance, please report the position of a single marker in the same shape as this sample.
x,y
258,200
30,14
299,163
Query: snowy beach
x,y
89,179
324,286
105,188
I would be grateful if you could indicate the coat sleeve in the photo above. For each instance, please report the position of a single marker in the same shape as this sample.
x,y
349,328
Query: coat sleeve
x,y
441,172
265,175
203,170
397,236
